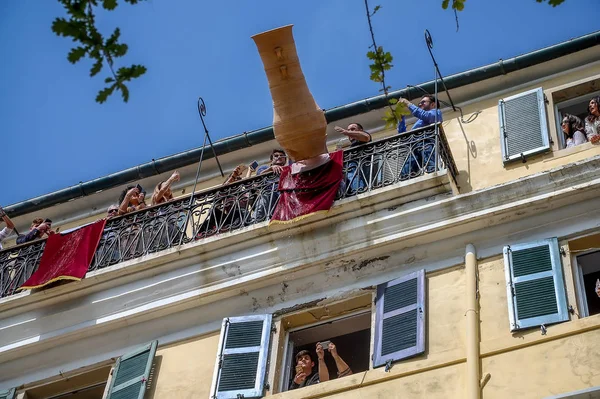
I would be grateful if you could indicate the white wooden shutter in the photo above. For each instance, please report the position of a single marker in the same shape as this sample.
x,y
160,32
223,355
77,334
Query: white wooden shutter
x,y
242,357
535,286
523,126
131,373
400,319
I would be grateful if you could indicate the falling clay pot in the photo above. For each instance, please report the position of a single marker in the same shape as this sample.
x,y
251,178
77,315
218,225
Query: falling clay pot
x,y
298,122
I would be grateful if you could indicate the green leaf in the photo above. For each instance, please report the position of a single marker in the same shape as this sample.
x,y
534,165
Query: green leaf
x,y
377,8
109,4
96,68
124,92
134,71
104,93
76,54
65,28
445,4
109,80
371,55
393,101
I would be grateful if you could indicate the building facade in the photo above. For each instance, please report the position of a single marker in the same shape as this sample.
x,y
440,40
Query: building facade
x,y
474,279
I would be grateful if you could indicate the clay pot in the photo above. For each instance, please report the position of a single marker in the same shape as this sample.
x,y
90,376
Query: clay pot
x,y
298,122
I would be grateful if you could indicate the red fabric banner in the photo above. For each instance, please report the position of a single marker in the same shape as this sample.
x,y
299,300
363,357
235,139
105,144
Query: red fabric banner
x,y
308,192
67,256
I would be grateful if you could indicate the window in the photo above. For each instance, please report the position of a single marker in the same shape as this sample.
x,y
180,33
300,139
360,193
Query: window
x,y
573,100
588,274
534,281
10,394
128,378
523,125
351,336
397,329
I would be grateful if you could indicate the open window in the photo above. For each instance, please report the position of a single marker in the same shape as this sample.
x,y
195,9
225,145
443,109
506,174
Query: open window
x,y
588,275
128,377
350,334
573,100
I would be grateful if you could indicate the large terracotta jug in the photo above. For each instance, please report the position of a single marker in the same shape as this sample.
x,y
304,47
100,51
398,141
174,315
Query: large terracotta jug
x,y
298,122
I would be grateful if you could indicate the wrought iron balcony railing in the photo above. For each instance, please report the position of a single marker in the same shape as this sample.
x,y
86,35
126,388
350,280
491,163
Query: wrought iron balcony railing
x,y
227,208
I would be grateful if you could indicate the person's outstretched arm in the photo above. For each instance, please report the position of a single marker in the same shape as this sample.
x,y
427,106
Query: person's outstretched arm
x,y
323,372
342,368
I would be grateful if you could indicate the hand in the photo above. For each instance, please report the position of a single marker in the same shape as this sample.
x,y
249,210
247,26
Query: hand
x,y
595,139
238,170
320,352
277,169
340,130
404,101
175,176
333,349
43,228
300,377
132,192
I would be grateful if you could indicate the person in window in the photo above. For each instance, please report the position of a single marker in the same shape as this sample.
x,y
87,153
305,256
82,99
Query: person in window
x,y
355,179
162,192
574,130
39,228
6,230
131,199
305,375
421,156
267,199
592,122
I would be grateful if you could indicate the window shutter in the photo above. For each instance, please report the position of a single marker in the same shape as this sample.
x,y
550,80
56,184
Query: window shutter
x,y
523,127
131,373
534,281
242,357
400,319
10,394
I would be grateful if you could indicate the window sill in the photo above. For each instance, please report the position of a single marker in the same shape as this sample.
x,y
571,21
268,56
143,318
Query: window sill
x,y
565,152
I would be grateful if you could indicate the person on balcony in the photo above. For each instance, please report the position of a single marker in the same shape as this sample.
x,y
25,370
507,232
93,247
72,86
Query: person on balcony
x,y
6,230
39,228
421,154
131,199
357,135
574,130
305,375
162,192
268,196
592,122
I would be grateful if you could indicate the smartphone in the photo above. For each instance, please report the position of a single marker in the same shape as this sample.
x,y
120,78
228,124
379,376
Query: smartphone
x,y
254,165
325,345
139,187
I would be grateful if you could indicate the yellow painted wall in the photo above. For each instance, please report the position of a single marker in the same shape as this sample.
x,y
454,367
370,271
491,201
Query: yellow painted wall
x,y
476,146
186,369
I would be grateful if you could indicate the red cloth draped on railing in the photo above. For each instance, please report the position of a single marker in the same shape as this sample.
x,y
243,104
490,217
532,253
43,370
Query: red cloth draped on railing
x,y
67,256
306,193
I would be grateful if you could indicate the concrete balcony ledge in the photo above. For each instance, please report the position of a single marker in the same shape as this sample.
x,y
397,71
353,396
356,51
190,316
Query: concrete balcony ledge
x,y
419,214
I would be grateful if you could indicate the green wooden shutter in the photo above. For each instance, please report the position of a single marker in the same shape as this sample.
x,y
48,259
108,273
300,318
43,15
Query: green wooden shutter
x,y
10,394
242,357
535,287
131,373
400,319
523,126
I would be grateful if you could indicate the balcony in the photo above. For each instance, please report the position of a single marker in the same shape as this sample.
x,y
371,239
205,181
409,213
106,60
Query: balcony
x,y
224,209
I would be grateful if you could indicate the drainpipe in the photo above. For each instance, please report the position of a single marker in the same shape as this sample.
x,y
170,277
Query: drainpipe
x,y
472,313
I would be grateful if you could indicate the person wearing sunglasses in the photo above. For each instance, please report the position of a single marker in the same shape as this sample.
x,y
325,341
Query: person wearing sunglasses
x,y
427,112
573,129
592,121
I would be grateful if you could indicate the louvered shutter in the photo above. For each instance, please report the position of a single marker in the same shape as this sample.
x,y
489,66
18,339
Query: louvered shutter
x,y
535,287
242,357
10,394
131,373
400,319
523,126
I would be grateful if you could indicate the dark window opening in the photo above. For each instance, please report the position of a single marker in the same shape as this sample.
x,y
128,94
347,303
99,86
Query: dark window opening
x,y
351,336
589,266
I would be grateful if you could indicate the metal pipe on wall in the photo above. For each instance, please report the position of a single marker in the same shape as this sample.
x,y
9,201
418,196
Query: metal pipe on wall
x,y
473,355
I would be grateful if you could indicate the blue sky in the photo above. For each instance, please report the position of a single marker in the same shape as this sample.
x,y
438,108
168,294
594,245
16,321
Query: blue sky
x,y
55,135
